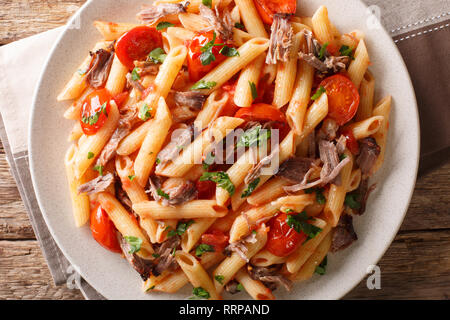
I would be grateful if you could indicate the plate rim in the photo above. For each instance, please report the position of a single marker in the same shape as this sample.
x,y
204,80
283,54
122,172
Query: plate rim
x,y
40,201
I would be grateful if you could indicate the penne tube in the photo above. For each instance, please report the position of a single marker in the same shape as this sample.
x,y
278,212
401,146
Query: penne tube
x,y
211,108
224,224
124,222
286,74
192,154
154,140
383,108
136,193
240,37
322,27
196,274
80,201
168,71
298,258
231,265
355,180
95,143
336,194
133,141
251,18
308,269
367,127
301,96
77,84
76,132
269,192
194,233
117,77
358,67
189,210
250,75
171,282
111,30
244,223
254,288
232,65
265,258
366,91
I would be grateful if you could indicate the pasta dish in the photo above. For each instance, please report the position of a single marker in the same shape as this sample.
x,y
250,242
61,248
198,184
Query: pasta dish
x,y
225,144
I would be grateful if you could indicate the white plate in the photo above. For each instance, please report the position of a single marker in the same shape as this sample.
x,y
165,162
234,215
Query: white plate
x,y
111,275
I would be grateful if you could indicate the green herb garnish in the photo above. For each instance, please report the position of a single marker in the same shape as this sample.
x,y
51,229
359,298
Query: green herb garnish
x,y
131,177
239,25
322,51
254,137
347,51
318,93
251,187
90,155
202,84
162,194
164,25
181,228
219,278
221,179
300,224
253,89
353,201
207,3
135,75
322,267
199,292
229,51
202,248
91,120
157,56
207,55
145,112
99,169
134,242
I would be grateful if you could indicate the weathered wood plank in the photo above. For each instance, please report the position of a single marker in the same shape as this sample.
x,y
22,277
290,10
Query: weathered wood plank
x,y
416,266
23,18
24,274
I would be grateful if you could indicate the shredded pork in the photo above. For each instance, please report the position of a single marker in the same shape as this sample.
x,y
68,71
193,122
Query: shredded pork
x,y
143,266
99,68
222,24
280,39
344,234
99,184
150,14
191,99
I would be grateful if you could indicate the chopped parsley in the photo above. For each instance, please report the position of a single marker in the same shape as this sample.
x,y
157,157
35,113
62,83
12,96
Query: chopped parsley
x,y
221,179
199,292
239,25
320,198
99,169
181,228
207,55
91,120
131,177
202,84
322,267
90,155
229,51
151,288
207,3
322,51
254,137
162,194
251,187
352,200
347,51
219,278
145,112
135,75
342,157
239,287
158,161
300,224
164,25
202,248
156,255
318,93
134,242
157,56
253,89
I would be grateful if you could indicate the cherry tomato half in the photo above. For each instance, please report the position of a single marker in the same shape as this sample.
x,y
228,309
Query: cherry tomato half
x,y
343,98
215,238
206,189
352,143
121,98
282,240
195,67
267,8
261,112
103,230
94,111
136,44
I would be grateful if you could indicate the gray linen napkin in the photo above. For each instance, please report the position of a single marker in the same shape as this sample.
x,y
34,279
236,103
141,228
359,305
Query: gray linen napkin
x,y
419,27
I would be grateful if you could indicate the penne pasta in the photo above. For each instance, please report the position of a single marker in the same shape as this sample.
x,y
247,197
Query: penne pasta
x,y
190,210
112,31
254,288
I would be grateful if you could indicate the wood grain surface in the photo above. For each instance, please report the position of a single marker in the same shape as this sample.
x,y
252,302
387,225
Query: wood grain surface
x,y
416,266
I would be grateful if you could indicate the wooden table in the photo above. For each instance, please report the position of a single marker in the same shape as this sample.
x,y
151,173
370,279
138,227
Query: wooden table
x,y
416,266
